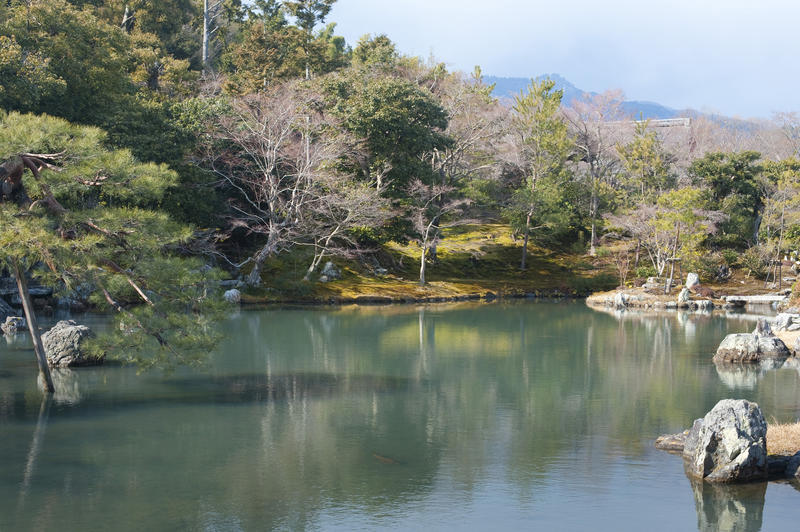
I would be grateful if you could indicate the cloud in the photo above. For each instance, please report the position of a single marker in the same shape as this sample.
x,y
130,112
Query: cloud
x,y
733,55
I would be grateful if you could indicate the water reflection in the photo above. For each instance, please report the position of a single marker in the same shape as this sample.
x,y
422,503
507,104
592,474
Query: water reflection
x,y
729,507
308,418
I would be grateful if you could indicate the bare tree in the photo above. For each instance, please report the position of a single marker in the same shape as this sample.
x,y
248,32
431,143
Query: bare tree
x,y
270,155
594,123
340,204
278,153
433,206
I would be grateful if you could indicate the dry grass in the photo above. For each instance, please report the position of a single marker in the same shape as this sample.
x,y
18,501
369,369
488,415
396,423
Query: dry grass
x,y
783,438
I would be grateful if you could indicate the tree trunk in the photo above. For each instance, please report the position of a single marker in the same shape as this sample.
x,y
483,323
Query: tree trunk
x,y
422,265
523,265
206,36
593,208
254,278
30,317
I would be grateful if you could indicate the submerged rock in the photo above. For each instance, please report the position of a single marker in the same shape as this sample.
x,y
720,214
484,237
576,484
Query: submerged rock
x,y
63,345
728,444
672,442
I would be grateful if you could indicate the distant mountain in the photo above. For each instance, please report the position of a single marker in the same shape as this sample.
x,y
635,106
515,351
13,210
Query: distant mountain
x,y
510,87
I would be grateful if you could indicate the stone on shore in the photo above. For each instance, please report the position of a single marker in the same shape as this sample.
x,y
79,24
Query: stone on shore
x,y
233,296
63,345
330,271
691,280
728,444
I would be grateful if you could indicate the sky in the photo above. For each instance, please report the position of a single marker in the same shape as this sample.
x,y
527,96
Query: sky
x,y
737,57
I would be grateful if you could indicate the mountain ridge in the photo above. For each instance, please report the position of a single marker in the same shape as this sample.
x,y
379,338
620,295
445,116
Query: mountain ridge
x,y
508,87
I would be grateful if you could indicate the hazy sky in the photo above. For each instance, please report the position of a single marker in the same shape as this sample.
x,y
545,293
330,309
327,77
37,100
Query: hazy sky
x,y
738,57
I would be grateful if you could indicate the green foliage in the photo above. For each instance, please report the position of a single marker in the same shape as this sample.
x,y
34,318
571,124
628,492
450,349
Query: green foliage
x,y
646,165
755,261
87,59
397,121
107,237
735,183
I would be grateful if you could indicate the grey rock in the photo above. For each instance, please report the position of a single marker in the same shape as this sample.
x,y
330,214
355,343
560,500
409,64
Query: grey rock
x,y
233,296
381,271
692,279
793,327
331,271
684,296
324,279
705,305
729,444
751,348
621,300
13,324
672,442
763,329
793,468
671,305
783,321
63,345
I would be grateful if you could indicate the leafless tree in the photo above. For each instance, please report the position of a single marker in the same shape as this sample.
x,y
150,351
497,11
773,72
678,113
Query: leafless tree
x,y
595,127
276,151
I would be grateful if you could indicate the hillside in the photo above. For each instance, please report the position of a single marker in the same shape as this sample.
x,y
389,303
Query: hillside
x,y
508,87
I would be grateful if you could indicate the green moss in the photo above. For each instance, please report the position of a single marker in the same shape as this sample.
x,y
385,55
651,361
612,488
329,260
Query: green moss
x,y
471,260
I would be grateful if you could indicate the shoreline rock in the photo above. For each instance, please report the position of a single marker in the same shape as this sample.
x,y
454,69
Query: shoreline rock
x,y
729,445
752,348
63,345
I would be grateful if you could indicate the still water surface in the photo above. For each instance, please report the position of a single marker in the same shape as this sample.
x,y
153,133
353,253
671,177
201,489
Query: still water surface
x,y
472,417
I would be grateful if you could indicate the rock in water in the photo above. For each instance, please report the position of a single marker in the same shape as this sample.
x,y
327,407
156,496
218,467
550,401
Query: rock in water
x,y
233,296
751,348
729,444
14,324
62,344
692,279
621,300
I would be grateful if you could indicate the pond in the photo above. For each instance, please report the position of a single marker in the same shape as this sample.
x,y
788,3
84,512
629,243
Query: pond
x,y
471,416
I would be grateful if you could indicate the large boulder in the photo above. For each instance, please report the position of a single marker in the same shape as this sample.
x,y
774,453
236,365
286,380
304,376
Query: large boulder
x,y
691,280
729,444
63,345
761,345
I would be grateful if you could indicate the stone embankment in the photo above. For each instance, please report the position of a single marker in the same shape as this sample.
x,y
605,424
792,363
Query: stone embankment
x,y
729,445
691,296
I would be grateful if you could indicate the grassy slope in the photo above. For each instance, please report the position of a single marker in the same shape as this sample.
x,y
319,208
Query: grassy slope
x,y
472,260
